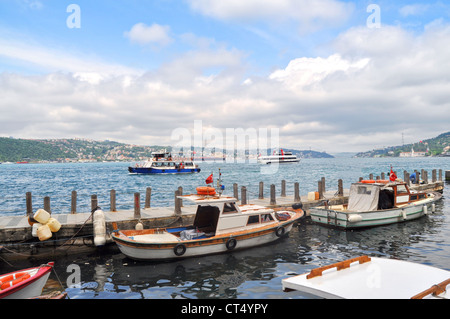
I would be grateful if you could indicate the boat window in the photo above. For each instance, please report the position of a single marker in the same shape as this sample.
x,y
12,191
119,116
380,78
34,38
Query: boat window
x,y
253,219
401,189
363,190
265,218
413,197
229,208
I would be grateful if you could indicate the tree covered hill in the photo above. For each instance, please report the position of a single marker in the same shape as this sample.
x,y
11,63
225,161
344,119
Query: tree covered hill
x,y
434,147
14,150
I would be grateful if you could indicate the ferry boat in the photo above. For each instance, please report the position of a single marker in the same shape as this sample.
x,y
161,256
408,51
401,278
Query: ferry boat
x,y
374,203
162,163
220,225
281,157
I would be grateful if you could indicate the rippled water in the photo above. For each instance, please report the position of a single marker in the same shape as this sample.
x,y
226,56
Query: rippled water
x,y
254,273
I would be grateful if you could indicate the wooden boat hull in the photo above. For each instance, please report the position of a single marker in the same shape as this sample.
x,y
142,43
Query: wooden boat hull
x,y
206,246
31,287
153,171
372,278
351,220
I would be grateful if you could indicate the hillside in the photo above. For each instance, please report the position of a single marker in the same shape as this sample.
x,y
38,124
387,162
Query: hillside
x,y
70,150
436,146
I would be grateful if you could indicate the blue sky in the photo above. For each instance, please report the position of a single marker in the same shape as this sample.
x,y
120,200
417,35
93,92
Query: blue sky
x,y
316,70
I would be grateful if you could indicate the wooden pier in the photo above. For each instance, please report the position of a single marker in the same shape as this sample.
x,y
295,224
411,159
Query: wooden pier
x,y
76,232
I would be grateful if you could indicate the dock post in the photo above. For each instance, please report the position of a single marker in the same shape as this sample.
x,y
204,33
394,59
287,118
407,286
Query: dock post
x,y
180,193
383,176
148,197
73,203
425,177
177,204
47,207
273,200
243,195
297,198
407,179
112,200
340,188
434,176
446,175
94,202
137,205
283,188
235,191
29,204
370,176
261,190
320,189
323,185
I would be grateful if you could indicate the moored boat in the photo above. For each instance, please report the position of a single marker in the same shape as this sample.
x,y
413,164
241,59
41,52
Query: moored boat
x,y
374,203
26,283
220,225
367,277
163,163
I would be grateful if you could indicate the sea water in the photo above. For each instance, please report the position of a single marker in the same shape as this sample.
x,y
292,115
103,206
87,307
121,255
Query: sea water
x,y
250,274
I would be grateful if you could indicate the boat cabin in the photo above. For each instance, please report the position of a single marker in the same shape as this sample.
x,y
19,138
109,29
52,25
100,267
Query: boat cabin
x,y
377,195
217,215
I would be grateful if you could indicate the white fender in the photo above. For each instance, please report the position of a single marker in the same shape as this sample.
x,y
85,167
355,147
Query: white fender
x,y
354,218
99,228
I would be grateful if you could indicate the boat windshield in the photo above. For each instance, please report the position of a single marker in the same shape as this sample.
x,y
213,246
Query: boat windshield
x,y
401,189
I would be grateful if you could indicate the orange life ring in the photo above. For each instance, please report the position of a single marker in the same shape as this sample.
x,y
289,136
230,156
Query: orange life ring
x,y
205,190
372,181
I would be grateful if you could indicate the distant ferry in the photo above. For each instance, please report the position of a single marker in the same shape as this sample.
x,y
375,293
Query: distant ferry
x,y
282,157
162,163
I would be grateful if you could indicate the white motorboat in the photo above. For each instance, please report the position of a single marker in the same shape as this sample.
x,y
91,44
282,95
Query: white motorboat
x,y
220,225
372,278
375,203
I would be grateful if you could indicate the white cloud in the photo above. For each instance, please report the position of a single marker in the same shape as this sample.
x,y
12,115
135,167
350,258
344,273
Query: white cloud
x,y
413,9
309,14
142,34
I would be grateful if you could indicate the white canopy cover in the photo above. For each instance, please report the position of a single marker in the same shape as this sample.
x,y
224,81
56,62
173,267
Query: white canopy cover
x,y
363,197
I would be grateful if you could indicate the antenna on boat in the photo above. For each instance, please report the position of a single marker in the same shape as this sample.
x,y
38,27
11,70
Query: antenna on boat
x,y
220,187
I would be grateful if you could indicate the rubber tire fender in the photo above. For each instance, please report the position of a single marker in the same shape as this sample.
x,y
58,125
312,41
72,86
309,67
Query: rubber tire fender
x,y
231,244
179,250
280,231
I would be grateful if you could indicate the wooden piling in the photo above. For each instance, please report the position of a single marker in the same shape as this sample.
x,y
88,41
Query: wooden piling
x,y
148,197
29,204
261,190
112,200
434,176
283,188
297,198
137,205
244,195
273,200
180,193
320,189
177,210
235,191
340,188
47,206
73,203
94,202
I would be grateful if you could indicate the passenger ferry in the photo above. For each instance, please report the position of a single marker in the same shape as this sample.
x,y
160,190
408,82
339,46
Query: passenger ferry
x,y
282,157
162,163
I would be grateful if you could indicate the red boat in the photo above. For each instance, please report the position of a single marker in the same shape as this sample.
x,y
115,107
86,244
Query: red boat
x,y
26,283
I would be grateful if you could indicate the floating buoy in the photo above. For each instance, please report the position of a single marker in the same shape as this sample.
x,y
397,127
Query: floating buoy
x,y
99,228
53,224
44,233
41,216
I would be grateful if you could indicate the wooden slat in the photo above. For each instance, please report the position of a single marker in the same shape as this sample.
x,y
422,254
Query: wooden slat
x,y
339,265
435,290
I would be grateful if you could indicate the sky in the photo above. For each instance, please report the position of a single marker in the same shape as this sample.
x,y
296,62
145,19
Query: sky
x,y
327,75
